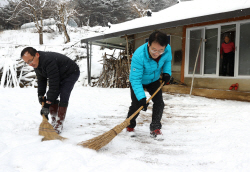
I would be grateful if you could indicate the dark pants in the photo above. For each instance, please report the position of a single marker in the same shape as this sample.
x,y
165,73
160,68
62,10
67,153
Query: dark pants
x,y
158,106
228,58
66,87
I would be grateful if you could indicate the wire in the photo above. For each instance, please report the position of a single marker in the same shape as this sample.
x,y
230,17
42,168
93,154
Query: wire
x,y
175,34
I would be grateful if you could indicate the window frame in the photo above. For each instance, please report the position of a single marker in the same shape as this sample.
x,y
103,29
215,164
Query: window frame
x,y
203,28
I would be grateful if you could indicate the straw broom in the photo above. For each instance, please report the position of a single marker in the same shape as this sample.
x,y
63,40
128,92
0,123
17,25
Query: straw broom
x,y
47,130
98,142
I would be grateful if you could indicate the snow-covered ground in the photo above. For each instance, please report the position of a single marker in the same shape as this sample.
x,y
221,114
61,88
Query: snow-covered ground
x,y
200,134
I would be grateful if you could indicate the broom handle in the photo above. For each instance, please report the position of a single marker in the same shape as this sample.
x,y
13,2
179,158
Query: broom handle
x,y
133,115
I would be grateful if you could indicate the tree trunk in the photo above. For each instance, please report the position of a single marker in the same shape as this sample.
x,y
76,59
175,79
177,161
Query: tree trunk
x,y
66,33
41,36
61,14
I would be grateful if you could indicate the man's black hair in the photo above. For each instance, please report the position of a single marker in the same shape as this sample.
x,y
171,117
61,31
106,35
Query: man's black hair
x,y
158,37
32,51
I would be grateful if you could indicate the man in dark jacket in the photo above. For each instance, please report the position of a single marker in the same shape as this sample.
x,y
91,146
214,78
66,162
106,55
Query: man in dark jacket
x,y
61,73
148,62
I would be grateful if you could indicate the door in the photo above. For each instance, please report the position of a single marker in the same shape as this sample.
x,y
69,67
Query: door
x,y
194,42
211,51
244,50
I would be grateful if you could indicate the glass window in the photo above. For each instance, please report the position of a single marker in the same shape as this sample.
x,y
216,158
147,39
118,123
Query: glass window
x,y
244,50
210,58
195,37
227,50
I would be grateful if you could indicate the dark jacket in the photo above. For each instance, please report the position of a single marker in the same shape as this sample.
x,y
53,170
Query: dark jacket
x,y
55,67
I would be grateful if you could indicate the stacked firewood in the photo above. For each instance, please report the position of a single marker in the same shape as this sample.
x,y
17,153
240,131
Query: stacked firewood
x,y
115,72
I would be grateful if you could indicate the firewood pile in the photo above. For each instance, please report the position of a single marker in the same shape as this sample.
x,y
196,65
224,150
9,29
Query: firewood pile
x,y
115,72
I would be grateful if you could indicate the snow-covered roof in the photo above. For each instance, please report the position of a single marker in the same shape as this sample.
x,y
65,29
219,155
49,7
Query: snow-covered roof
x,y
183,13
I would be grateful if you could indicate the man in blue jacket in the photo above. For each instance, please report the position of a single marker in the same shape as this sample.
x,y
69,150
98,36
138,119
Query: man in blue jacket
x,y
148,62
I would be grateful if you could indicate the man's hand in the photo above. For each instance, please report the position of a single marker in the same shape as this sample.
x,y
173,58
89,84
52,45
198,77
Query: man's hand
x,y
144,103
165,78
41,99
45,110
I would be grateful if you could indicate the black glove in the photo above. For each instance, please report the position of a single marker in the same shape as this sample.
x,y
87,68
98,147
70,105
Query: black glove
x,y
45,110
144,103
41,99
165,78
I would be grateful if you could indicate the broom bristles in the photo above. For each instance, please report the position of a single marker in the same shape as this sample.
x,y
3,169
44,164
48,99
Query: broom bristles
x,y
47,130
98,142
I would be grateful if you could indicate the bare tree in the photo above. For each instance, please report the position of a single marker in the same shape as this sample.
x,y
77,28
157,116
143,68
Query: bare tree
x,y
34,9
6,12
140,8
65,11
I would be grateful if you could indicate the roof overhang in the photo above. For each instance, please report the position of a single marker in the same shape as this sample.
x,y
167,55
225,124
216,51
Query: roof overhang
x,y
114,40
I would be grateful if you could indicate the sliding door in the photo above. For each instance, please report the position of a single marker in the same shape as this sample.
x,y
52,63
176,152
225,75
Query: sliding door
x,y
211,51
244,50
194,42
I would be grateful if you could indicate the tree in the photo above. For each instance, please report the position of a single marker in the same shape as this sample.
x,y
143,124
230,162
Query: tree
x,y
65,11
34,9
140,8
6,12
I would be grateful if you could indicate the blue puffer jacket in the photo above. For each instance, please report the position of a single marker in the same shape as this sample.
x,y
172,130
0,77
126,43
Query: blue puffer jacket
x,y
145,70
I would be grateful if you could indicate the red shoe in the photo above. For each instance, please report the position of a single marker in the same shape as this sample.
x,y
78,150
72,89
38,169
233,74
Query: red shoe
x,y
130,129
236,86
156,134
131,132
232,86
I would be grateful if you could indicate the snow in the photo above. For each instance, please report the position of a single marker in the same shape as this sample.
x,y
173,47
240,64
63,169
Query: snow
x,y
200,134
46,22
3,3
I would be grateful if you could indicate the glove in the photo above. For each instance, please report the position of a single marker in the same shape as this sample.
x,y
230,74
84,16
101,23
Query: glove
x,y
165,78
41,99
45,110
144,103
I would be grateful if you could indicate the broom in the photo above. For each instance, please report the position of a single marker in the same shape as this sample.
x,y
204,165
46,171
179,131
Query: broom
x,y
47,130
98,142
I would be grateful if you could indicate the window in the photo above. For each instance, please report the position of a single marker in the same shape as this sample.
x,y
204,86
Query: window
x,y
195,37
244,50
210,54
224,50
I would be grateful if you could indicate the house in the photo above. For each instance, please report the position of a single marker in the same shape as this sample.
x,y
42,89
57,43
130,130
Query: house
x,y
192,26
